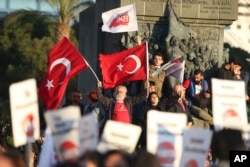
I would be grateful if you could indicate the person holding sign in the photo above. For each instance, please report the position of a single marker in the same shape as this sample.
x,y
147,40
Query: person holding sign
x,y
178,103
120,107
153,103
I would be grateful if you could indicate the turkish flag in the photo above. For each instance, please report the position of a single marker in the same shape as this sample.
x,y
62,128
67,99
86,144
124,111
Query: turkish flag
x,y
123,66
64,62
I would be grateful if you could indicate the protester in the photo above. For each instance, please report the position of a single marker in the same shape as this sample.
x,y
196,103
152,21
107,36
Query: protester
x,y
11,158
199,97
228,70
116,158
153,103
158,60
66,164
232,71
119,108
223,142
138,109
178,104
89,159
76,97
94,106
146,159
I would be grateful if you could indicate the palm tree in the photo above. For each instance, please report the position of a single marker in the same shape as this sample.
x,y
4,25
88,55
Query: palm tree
x,y
67,11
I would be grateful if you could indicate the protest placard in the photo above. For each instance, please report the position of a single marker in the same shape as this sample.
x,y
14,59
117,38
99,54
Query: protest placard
x,y
164,136
229,103
118,135
196,144
24,112
88,133
64,128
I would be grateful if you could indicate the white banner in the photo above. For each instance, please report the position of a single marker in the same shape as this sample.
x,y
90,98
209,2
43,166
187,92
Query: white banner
x,y
24,112
118,135
229,104
164,136
121,19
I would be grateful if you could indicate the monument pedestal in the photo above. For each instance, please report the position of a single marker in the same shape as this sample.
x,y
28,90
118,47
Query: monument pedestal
x,y
192,29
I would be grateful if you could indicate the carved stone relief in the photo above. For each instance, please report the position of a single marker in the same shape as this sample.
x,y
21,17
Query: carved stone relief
x,y
200,49
199,45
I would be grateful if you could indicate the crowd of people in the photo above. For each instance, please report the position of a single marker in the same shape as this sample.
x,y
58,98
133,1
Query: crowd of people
x,y
165,94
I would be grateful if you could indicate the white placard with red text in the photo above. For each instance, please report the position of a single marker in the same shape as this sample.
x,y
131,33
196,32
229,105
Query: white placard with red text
x,y
88,133
64,128
196,144
164,136
118,135
229,103
24,111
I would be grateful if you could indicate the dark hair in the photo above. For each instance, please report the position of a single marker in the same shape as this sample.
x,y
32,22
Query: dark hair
x,y
124,154
66,164
225,140
14,156
158,54
146,159
93,96
151,83
235,61
150,94
93,156
196,72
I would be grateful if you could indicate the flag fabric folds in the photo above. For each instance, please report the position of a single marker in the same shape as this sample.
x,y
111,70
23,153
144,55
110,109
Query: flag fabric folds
x,y
64,62
121,19
174,68
123,66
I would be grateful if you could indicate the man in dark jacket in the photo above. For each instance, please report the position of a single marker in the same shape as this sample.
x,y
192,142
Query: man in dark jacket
x,y
179,104
120,107
198,96
227,71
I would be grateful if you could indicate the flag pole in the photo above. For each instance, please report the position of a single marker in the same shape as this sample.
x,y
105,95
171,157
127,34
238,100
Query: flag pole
x,y
91,69
28,151
147,66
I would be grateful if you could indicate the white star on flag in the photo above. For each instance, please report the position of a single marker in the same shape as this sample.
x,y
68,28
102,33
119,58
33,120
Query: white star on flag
x,y
49,84
119,67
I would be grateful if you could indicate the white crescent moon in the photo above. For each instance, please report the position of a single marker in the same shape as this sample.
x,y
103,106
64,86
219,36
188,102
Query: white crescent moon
x,y
63,61
137,61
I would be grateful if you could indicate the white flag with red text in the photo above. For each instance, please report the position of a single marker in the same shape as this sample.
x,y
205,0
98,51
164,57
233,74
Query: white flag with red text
x,y
121,19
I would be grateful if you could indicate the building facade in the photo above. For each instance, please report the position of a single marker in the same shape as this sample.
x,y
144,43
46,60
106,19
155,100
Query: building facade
x,y
238,34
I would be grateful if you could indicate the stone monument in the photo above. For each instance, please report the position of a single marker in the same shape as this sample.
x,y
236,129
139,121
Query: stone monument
x,y
192,29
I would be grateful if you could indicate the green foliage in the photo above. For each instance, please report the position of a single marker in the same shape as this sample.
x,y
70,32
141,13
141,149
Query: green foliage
x,y
68,10
26,39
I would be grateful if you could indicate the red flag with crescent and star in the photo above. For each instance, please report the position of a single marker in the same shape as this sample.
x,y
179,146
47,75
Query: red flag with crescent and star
x,y
64,62
123,66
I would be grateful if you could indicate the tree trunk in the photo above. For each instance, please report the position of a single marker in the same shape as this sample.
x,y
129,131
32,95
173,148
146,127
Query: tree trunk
x,y
62,30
